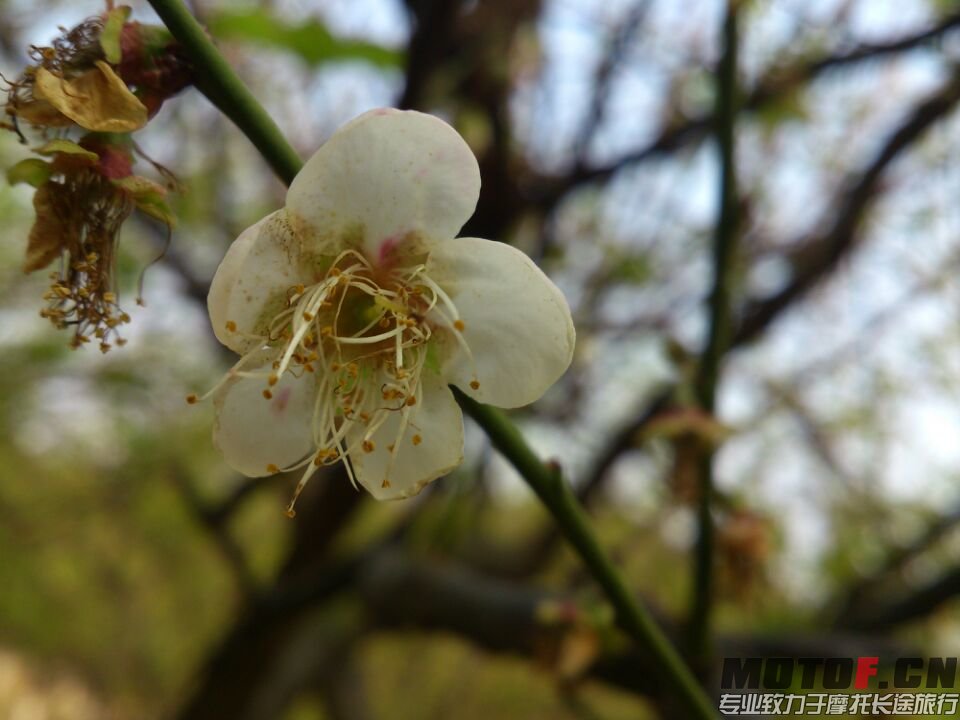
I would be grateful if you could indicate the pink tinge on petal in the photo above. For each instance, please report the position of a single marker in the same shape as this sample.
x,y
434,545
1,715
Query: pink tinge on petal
x,y
388,246
280,402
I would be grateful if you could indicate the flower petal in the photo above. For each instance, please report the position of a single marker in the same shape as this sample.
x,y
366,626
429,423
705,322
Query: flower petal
x,y
517,322
96,100
431,445
250,287
385,177
259,436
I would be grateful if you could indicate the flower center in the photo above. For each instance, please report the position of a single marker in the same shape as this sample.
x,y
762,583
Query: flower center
x,y
364,333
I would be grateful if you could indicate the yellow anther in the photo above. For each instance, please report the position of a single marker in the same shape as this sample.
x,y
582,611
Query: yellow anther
x,y
271,468
368,446
192,399
411,401
417,439
308,367
385,483
458,324
109,297
267,394
475,384
273,379
308,316
231,326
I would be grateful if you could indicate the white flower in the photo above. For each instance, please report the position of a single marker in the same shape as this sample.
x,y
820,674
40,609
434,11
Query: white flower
x,y
354,307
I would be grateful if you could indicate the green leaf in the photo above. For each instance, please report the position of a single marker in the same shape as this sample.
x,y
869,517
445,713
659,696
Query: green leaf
x,y
310,39
67,147
634,270
137,185
156,207
32,171
110,37
149,197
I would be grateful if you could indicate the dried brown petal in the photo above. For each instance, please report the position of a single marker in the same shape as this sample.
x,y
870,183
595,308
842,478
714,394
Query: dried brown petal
x,y
40,113
96,100
47,234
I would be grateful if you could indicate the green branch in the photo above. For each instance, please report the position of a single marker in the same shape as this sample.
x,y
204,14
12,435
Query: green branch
x,y
227,92
214,77
718,340
545,480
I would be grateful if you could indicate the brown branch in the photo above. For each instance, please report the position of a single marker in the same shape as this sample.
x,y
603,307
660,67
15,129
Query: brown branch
x,y
857,596
403,592
914,606
817,257
617,48
545,192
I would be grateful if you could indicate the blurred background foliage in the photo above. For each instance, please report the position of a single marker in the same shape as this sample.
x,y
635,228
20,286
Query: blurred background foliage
x,y
139,578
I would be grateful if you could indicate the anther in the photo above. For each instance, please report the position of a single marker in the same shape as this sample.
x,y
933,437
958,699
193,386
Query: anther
x,y
273,379
417,439
192,399
271,468
458,324
368,446
411,401
475,384
267,395
231,326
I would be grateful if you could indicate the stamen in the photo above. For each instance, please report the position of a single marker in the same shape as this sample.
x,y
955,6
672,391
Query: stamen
x,y
362,372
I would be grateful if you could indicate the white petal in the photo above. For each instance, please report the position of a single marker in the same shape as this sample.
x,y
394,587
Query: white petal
x,y
250,286
517,322
254,433
436,422
385,177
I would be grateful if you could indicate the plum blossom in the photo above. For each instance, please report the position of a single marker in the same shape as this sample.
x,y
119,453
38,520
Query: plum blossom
x,y
356,306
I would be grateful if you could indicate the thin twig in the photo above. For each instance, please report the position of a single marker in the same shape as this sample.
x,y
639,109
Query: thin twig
x,y
718,340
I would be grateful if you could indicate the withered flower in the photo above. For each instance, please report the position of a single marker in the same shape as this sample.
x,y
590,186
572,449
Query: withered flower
x,y
106,76
84,194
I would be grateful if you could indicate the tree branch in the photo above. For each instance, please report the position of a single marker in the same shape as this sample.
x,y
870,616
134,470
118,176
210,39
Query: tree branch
x,y
546,192
815,258
718,337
